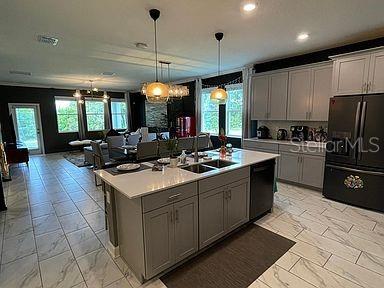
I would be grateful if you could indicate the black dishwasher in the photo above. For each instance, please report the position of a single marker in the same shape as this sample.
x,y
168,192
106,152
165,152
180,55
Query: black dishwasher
x,y
262,188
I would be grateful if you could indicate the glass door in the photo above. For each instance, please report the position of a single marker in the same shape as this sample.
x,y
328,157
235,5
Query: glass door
x,y
26,119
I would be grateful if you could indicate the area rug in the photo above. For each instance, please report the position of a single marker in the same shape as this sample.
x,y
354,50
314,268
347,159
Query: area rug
x,y
77,158
234,263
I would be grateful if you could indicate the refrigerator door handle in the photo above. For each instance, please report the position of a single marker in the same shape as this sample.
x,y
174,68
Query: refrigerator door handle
x,y
357,119
355,170
361,129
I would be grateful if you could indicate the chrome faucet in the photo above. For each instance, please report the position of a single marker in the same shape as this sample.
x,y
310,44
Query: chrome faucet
x,y
196,156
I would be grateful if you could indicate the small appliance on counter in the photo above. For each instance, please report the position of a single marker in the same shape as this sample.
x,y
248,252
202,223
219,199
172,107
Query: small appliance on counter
x,y
282,134
299,133
263,132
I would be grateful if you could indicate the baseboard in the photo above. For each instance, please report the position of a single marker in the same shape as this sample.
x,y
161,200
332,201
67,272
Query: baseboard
x,y
113,250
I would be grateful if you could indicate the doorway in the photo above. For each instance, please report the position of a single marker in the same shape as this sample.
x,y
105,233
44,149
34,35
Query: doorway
x,y
27,122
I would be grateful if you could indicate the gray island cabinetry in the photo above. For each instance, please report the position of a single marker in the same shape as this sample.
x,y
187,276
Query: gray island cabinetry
x,y
159,220
158,231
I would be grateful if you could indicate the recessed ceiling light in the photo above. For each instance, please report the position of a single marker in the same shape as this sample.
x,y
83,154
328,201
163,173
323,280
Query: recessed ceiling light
x,y
249,6
302,36
141,45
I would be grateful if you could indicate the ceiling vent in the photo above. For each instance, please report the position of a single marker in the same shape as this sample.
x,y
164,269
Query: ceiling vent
x,y
24,73
48,40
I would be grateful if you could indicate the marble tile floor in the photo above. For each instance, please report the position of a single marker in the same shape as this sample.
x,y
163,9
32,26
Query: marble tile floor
x,y
53,235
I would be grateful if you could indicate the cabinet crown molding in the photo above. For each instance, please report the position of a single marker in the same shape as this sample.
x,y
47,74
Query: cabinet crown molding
x,y
370,50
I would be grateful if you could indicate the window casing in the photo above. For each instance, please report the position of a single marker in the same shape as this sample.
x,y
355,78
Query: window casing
x,y
94,110
209,113
119,114
234,111
67,115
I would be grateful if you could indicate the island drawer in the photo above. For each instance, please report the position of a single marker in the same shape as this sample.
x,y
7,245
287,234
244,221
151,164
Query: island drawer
x,y
168,196
223,179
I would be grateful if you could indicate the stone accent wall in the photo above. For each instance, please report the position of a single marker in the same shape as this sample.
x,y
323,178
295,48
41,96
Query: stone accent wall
x,y
156,115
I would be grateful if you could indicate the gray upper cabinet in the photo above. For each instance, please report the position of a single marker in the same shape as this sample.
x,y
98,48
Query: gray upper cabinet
x,y
269,96
211,216
359,73
321,93
278,91
260,97
159,231
237,204
350,74
299,94
186,228
376,73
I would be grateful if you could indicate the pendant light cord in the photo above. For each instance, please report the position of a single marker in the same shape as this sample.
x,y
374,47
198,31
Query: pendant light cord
x,y
157,78
219,59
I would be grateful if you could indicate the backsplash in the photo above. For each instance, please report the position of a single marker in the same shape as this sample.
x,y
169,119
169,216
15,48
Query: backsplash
x,y
276,125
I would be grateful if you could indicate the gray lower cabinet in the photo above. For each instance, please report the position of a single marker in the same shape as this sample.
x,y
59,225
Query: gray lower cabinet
x,y
302,168
312,170
222,210
159,234
186,228
170,235
211,216
237,203
289,166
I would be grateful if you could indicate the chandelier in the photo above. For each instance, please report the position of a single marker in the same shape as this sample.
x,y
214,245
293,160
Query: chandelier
x,y
90,93
175,91
156,92
219,95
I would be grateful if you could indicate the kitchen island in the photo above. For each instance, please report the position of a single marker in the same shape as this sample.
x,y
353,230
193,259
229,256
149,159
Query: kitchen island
x,y
158,220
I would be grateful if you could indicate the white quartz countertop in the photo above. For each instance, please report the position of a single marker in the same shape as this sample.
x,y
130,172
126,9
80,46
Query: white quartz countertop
x,y
289,142
145,182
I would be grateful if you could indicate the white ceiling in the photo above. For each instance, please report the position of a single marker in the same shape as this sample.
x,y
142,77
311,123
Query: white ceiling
x,y
98,36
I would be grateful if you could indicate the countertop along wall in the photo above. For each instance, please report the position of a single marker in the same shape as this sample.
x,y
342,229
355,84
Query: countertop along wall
x,y
45,97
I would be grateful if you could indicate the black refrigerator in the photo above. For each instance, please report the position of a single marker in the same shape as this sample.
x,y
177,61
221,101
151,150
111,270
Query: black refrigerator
x,y
354,170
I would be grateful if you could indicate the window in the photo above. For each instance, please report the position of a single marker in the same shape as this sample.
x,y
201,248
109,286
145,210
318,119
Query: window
x,y
234,110
67,117
209,113
95,115
119,114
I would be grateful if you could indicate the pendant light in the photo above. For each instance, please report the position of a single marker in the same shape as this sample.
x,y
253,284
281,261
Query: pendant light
x,y
156,92
219,95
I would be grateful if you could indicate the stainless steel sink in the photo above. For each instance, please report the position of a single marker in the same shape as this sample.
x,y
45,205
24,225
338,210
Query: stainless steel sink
x,y
198,168
218,163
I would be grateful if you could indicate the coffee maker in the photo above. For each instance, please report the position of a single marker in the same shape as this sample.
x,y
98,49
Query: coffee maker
x,y
299,133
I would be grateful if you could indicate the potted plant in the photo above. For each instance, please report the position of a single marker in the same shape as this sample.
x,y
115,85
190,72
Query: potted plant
x,y
223,141
171,146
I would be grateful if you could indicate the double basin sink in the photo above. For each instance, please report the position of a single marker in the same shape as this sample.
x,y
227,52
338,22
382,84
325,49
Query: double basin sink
x,y
208,166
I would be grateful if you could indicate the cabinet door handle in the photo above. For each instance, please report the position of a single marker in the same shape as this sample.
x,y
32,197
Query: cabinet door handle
x,y
370,87
229,194
177,215
364,87
171,216
174,196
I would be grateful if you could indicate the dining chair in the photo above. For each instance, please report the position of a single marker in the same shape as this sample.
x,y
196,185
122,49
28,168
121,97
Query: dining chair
x,y
163,150
134,139
147,150
115,144
204,142
185,143
98,160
